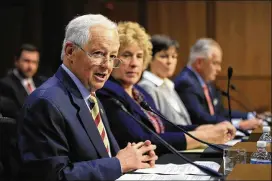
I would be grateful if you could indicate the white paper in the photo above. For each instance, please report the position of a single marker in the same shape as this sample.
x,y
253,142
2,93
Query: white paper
x,y
179,169
162,177
239,133
232,142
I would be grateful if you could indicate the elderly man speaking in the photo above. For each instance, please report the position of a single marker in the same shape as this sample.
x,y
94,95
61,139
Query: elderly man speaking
x,y
64,133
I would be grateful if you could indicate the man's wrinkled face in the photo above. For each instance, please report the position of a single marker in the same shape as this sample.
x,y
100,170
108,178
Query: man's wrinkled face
x,y
28,63
210,67
103,41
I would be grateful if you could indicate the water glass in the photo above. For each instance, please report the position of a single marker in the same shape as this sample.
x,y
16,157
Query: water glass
x,y
231,157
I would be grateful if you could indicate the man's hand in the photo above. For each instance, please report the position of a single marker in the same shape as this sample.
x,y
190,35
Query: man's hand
x,y
231,129
221,133
250,124
204,127
137,156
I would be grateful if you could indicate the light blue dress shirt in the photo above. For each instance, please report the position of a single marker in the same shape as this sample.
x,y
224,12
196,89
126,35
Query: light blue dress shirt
x,y
83,90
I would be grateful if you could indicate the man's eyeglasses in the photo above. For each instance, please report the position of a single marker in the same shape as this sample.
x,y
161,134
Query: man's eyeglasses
x,y
98,58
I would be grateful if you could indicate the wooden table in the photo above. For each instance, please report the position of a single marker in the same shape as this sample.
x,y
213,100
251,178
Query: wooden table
x,y
250,147
250,172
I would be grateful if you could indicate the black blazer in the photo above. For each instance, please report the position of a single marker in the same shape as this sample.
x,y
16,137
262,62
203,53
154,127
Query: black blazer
x,y
12,91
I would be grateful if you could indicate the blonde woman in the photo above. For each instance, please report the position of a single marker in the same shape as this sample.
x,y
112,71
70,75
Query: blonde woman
x,y
135,52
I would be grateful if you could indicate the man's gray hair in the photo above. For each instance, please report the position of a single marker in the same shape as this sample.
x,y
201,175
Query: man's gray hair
x,y
202,49
78,29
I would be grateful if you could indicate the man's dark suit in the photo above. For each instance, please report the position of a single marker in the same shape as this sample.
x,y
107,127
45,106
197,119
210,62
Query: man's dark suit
x,y
190,91
58,139
12,90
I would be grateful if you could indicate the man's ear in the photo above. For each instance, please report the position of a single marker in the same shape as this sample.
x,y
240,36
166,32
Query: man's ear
x,y
199,63
69,49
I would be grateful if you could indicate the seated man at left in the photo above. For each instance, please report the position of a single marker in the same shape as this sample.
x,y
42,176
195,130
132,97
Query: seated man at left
x,y
22,80
63,133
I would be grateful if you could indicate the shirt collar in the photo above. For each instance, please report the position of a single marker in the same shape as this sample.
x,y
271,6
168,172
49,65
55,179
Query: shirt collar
x,y
157,80
83,90
169,83
24,81
153,78
200,79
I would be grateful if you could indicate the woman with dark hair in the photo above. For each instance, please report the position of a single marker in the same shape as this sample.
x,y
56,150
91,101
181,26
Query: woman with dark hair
x,y
157,83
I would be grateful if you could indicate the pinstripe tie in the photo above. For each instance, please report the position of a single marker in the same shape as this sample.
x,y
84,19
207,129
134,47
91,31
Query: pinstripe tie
x,y
99,123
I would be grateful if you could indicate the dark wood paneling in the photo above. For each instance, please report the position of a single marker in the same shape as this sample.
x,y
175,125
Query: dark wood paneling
x,y
183,21
122,11
11,18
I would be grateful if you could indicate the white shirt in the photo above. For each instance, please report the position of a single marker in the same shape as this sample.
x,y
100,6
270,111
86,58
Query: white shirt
x,y
167,90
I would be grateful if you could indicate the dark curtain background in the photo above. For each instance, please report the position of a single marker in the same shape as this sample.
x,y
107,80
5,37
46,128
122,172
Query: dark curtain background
x,y
42,22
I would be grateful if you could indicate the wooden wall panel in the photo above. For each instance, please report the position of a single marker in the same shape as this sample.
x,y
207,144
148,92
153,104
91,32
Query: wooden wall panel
x,y
255,94
243,29
183,21
123,11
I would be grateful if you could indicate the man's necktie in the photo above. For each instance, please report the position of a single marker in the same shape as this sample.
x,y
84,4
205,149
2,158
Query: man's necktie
x,y
208,98
29,87
99,123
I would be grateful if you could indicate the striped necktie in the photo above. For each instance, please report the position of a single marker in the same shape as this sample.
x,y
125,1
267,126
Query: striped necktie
x,y
153,118
208,98
99,123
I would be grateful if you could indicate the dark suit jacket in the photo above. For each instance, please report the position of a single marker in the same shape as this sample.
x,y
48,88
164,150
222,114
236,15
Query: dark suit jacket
x,y
58,139
12,89
125,128
190,91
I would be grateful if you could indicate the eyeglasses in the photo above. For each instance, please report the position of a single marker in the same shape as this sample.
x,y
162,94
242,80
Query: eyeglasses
x,y
98,58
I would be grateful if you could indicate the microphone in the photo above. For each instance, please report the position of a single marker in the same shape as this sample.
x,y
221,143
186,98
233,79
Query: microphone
x,y
223,93
205,169
230,71
247,108
213,146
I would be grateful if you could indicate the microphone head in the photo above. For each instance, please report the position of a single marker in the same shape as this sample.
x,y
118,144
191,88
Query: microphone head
x,y
144,105
117,102
232,87
223,93
230,70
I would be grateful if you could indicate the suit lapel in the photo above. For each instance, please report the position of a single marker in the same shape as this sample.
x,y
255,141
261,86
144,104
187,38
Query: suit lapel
x,y
19,89
199,88
113,144
83,113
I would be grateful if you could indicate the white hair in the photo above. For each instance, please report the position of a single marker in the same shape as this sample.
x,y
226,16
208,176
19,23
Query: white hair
x,y
202,49
78,29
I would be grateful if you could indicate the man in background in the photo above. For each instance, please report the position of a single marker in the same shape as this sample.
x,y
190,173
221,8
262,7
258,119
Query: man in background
x,y
21,81
196,89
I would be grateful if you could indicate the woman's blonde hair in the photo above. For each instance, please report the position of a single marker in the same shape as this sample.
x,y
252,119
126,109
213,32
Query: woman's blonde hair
x,y
132,32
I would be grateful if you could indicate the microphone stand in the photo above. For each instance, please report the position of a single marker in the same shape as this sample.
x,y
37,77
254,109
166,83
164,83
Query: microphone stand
x,y
205,169
147,107
230,71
